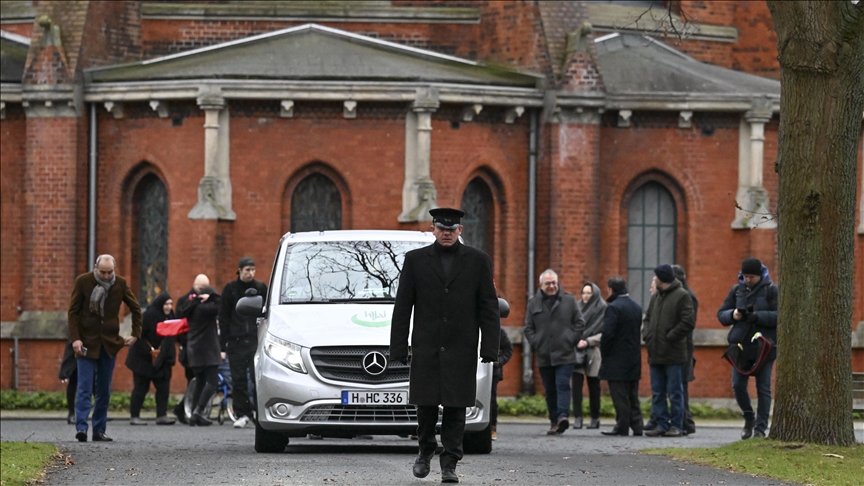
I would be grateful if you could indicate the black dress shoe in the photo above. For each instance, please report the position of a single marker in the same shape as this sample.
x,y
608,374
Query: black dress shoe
x,y
101,437
614,431
449,476
649,425
421,466
562,425
595,424
81,435
199,419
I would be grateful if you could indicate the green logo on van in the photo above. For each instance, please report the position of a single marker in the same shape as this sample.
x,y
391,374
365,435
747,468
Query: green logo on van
x,y
371,319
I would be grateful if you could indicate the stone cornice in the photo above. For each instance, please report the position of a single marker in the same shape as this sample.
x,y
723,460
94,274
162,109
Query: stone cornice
x,y
312,90
11,93
52,100
407,92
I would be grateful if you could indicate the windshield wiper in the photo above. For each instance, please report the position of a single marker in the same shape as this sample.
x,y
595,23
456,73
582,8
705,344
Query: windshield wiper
x,y
366,299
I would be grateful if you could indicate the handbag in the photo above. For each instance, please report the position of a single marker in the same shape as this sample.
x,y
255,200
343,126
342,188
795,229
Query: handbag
x,y
172,327
582,359
748,357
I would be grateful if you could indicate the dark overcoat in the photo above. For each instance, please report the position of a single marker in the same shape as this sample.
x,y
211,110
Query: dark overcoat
x,y
449,317
620,345
94,330
667,323
554,332
202,340
139,359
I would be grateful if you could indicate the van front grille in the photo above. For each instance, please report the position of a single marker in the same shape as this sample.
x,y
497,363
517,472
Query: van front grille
x,y
345,363
361,414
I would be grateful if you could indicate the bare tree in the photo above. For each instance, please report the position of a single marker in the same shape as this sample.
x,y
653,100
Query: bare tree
x,y
821,46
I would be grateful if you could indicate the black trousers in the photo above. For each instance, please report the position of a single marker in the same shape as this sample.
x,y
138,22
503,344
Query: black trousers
x,y
71,392
206,381
241,353
452,430
689,424
625,398
593,395
493,406
140,389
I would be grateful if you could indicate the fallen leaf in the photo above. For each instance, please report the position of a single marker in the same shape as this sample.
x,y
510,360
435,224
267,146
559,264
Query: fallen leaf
x,y
109,469
838,456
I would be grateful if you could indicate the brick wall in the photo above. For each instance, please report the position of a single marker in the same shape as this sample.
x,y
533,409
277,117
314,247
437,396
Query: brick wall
x,y
12,157
50,216
23,28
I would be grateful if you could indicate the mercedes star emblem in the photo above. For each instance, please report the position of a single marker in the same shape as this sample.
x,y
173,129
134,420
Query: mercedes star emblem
x,y
374,363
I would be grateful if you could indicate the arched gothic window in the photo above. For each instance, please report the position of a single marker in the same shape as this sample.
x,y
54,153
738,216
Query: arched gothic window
x,y
651,238
477,224
316,205
151,204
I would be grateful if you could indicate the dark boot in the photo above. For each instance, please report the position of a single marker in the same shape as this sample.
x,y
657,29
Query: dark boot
x,y
577,422
747,431
198,418
421,466
595,423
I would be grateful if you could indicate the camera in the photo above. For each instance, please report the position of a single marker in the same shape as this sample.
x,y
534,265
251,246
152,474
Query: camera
x,y
745,312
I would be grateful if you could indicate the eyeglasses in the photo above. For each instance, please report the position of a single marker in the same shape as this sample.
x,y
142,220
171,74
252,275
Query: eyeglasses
x,y
549,284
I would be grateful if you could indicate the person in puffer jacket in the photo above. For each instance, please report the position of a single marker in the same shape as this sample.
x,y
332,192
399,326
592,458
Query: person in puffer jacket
x,y
750,308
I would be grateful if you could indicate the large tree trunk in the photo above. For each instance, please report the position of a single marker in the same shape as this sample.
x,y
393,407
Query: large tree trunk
x,y
822,77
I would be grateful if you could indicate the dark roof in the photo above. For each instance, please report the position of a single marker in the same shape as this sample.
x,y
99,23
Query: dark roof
x,y
13,57
636,64
313,52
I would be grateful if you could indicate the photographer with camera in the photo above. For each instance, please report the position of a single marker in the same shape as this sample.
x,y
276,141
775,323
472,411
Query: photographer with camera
x,y
751,308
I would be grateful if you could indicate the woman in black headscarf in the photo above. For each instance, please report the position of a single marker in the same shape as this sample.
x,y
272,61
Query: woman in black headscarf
x,y
151,359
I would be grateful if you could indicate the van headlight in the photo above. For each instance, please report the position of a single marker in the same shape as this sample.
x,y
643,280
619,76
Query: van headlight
x,y
285,353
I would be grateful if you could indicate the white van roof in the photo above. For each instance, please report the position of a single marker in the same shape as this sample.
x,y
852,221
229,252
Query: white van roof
x,y
360,235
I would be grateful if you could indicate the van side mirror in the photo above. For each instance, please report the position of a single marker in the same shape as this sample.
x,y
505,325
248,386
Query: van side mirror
x,y
503,308
250,306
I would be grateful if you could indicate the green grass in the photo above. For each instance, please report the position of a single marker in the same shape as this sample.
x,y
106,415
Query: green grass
x,y
13,400
21,462
799,463
536,406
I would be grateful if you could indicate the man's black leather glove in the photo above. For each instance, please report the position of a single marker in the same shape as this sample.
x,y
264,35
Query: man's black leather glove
x,y
487,359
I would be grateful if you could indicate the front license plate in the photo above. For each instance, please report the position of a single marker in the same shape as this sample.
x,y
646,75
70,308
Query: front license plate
x,y
357,397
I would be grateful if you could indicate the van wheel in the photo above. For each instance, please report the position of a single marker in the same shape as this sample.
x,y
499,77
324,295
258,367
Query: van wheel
x,y
478,442
267,441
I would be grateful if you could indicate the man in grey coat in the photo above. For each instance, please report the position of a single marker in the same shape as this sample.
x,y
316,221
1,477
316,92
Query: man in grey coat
x,y
554,326
670,318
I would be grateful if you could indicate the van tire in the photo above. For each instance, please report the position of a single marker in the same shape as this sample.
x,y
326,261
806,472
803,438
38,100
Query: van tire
x,y
267,441
478,442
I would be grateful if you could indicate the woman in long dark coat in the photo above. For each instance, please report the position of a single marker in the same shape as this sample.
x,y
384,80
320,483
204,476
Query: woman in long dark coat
x,y
151,359
202,347
593,308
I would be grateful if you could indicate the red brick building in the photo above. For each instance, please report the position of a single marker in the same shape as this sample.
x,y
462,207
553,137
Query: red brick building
x,y
595,138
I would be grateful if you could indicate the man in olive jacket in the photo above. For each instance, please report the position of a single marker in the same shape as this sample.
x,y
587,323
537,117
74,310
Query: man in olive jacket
x,y
669,319
94,329
553,326
450,289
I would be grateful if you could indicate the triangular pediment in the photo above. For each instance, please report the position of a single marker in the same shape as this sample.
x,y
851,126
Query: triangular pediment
x,y
312,52
632,64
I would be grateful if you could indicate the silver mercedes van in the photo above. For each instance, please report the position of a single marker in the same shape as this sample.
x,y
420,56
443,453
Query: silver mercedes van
x,y
322,365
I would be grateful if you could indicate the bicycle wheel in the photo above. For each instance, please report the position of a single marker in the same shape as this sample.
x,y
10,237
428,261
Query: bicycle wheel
x,y
229,409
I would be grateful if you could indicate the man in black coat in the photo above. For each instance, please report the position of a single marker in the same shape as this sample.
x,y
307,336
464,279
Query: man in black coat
x,y
239,337
621,352
450,289
750,308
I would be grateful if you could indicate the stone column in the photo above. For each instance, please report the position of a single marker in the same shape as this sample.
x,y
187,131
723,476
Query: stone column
x,y
752,198
418,190
214,190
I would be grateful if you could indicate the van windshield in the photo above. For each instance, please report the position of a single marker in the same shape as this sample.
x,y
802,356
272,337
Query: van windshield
x,y
343,271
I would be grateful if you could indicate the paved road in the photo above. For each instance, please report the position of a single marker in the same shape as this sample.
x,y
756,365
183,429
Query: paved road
x,y
181,455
